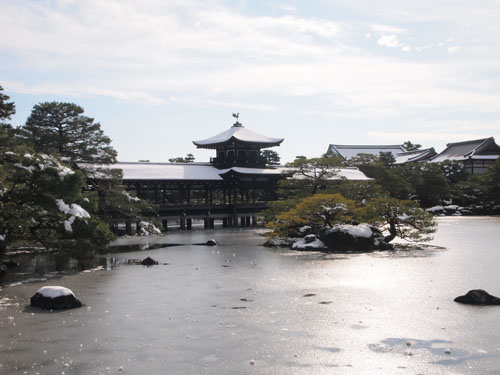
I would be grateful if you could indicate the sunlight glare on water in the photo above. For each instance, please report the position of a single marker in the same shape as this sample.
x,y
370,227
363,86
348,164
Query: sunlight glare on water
x,y
243,308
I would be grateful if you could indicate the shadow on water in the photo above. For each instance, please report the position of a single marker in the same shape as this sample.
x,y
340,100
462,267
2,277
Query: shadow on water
x,y
138,247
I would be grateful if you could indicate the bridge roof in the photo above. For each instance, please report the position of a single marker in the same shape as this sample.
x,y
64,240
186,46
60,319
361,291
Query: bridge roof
x,y
238,133
203,171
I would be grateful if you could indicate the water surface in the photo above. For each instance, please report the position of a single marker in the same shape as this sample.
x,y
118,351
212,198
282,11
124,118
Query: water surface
x,y
243,308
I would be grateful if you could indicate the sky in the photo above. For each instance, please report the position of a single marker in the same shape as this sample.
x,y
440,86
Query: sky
x,y
158,74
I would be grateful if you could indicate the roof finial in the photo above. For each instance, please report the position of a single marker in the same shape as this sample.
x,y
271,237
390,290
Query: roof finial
x,y
236,116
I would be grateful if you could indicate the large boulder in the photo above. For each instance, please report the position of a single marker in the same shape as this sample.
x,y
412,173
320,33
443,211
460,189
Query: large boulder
x,y
478,297
55,298
309,242
148,261
3,271
278,242
362,237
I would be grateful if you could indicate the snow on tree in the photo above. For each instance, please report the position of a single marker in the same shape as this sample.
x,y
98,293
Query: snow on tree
x,y
401,218
319,212
42,200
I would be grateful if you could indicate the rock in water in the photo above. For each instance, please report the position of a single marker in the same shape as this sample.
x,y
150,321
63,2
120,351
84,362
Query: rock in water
x,y
55,298
10,264
362,237
149,262
478,297
3,271
211,242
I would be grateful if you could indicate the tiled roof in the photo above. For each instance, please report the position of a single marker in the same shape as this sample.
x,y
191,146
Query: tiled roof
x,y
475,149
239,133
349,151
417,155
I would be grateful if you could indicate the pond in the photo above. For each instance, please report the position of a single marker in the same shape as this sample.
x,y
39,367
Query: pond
x,y
242,308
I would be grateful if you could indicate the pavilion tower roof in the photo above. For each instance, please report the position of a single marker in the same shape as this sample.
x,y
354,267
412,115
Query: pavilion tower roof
x,y
238,134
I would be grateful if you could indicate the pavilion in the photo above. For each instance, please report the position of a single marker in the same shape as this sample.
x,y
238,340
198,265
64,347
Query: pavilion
x,y
232,187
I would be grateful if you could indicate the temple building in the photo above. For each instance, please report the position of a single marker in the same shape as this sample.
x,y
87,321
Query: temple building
x,y
476,155
231,188
350,151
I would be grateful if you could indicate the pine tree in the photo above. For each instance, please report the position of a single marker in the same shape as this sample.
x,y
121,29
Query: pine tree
x,y
62,129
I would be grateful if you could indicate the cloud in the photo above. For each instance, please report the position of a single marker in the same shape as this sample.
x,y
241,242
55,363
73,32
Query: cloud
x,y
153,51
454,49
390,41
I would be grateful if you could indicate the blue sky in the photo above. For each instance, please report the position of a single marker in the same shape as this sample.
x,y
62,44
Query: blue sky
x,y
159,74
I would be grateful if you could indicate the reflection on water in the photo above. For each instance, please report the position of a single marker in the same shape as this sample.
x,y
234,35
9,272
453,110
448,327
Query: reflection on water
x,y
47,265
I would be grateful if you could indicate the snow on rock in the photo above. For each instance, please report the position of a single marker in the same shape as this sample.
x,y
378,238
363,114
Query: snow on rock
x,y
2,238
309,242
54,291
55,298
277,242
129,197
361,230
147,228
304,229
362,237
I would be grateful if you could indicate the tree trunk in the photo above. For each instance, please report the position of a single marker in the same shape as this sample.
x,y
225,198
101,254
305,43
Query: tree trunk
x,y
392,233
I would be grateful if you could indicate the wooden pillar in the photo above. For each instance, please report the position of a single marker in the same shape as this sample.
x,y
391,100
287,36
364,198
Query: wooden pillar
x,y
182,223
205,223
189,223
128,227
254,193
224,222
254,220
155,193
247,219
164,222
137,228
211,223
242,221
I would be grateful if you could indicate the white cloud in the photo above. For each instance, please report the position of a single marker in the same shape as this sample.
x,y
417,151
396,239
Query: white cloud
x,y
454,49
390,41
153,51
388,29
